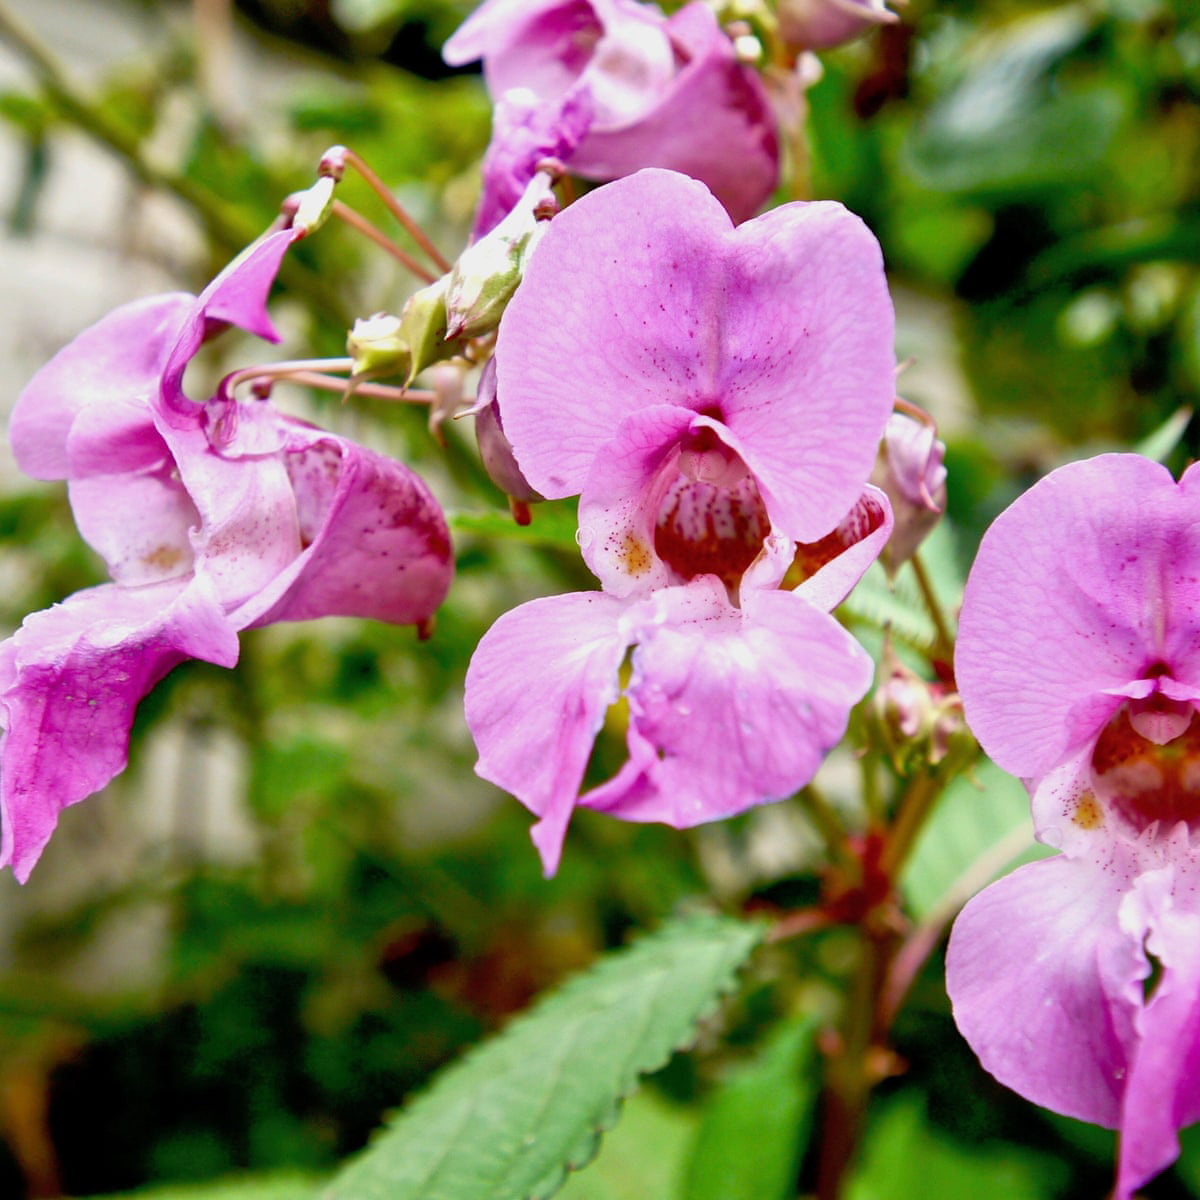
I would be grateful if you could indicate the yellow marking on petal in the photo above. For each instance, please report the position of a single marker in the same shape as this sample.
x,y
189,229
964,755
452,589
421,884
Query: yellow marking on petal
x,y
163,558
1088,814
635,554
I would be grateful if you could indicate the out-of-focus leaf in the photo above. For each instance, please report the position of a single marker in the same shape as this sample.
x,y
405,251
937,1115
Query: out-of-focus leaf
x,y
552,525
979,825
905,1159
1008,126
644,1156
511,1119
755,1127
1166,437
897,605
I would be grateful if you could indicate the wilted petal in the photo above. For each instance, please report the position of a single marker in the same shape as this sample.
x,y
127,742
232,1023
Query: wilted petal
x,y
537,690
70,680
820,24
526,130
729,707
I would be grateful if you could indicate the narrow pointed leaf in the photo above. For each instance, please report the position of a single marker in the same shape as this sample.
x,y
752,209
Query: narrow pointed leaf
x,y
512,1118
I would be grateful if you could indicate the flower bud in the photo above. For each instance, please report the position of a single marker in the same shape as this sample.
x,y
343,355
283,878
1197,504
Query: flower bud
x,y
820,24
405,345
313,206
483,280
910,469
377,346
494,447
922,722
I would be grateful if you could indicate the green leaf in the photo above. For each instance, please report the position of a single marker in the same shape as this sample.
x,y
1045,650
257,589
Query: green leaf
x,y
755,1127
897,605
513,1117
552,525
979,829
267,1187
644,1156
1159,444
905,1159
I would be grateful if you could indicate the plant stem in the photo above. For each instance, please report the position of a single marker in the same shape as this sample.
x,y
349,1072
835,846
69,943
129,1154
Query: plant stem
x,y
396,208
829,825
357,221
850,1077
944,637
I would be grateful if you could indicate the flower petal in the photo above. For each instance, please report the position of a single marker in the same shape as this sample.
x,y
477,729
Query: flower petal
x,y
856,543
607,323
619,506
1162,1089
1044,987
1077,591
140,524
70,680
237,296
729,707
376,542
537,689
109,371
808,389
619,310
249,530
712,120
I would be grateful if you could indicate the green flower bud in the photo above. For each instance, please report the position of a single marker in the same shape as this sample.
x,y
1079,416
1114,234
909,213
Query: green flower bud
x,y
483,280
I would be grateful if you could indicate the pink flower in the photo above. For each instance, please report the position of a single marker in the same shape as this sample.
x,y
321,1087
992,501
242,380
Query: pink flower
x,y
821,24
610,86
653,350
211,519
717,395
1077,979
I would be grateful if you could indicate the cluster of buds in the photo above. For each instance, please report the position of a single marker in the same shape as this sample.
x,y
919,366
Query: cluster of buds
x,y
921,721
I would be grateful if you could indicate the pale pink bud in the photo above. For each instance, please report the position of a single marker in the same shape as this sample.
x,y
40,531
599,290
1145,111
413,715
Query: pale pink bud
x,y
910,469
820,24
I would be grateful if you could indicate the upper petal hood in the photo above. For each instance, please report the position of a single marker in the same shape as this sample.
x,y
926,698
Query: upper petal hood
x,y
605,324
1080,588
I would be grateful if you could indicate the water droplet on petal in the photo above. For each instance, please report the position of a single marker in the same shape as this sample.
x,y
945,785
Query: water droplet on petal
x,y
1052,836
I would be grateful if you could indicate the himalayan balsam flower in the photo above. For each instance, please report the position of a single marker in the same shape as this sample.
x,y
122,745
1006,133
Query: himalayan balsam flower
x,y
1077,979
211,519
610,86
716,395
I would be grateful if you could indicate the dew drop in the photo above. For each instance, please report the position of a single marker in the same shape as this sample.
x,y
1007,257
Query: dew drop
x,y
585,535
1052,836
